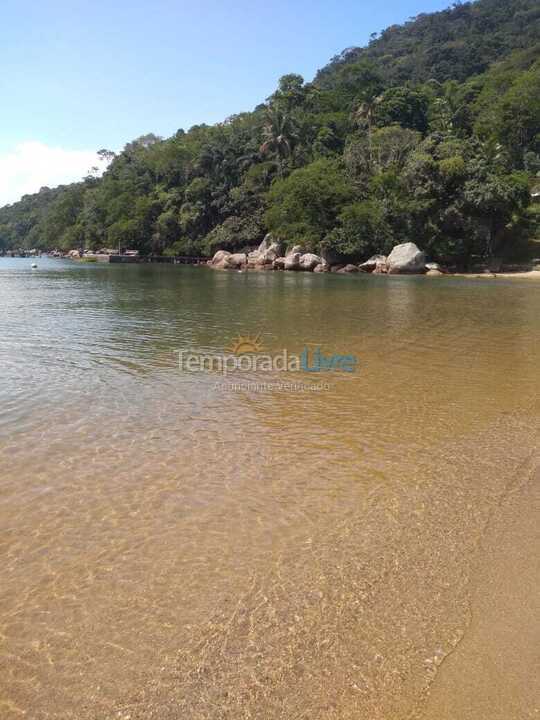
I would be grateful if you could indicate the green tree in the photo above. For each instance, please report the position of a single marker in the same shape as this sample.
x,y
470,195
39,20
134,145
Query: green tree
x,y
363,230
279,135
404,106
496,201
304,207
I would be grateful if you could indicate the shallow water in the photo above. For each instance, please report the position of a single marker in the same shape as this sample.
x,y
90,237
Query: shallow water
x,y
179,544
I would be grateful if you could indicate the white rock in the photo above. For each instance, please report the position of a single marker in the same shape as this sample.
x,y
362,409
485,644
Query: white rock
x,y
235,261
294,250
220,256
371,264
309,261
292,262
406,258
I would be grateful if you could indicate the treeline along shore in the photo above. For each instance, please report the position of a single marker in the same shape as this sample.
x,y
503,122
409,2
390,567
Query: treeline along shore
x,y
429,135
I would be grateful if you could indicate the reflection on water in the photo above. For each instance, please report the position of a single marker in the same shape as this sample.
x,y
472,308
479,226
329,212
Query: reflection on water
x,y
171,550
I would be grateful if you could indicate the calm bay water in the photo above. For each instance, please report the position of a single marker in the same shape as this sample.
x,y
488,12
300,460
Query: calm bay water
x,y
172,547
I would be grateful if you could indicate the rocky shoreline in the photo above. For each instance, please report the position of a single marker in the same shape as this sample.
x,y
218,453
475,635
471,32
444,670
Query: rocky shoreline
x,y
404,259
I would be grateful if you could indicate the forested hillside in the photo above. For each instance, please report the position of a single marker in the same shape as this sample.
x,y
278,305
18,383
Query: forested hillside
x,y
431,133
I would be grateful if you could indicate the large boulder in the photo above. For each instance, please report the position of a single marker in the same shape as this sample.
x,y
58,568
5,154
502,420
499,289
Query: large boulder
x,y
270,254
370,264
322,267
294,250
309,261
265,243
406,258
220,259
348,269
279,263
270,242
292,262
219,256
236,261
261,258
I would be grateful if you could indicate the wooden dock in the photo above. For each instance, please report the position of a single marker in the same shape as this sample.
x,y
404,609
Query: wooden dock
x,y
163,259
176,259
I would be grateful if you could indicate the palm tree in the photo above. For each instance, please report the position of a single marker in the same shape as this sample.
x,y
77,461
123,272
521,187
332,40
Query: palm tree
x,y
279,134
365,112
365,115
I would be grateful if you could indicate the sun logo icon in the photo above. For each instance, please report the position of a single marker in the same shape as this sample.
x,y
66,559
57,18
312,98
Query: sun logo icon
x,y
245,344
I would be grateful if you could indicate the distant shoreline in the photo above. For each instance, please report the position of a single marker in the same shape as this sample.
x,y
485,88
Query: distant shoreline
x,y
533,274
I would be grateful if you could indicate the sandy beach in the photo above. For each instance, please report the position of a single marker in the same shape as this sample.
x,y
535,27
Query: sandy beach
x,y
494,670
525,275
529,275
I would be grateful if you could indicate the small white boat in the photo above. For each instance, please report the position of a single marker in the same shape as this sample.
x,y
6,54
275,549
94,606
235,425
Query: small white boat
x,y
34,266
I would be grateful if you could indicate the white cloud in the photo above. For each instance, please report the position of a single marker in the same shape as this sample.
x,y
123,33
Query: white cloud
x,y
31,165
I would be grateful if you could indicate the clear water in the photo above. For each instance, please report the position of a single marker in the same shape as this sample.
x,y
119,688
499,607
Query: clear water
x,y
177,546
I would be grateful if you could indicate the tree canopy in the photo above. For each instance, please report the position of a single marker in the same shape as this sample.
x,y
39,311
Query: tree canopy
x,y
431,133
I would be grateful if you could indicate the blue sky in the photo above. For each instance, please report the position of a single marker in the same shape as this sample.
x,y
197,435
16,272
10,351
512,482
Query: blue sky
x,y
77,76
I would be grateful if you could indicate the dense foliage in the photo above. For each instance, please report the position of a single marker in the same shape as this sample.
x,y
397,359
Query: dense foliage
x,y
430,134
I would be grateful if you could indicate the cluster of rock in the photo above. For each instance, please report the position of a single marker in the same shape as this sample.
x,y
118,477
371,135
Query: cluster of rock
x,y
404,258
262,258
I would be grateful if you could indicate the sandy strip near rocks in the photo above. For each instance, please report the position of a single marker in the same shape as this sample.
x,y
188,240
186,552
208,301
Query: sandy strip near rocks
x,y
529,275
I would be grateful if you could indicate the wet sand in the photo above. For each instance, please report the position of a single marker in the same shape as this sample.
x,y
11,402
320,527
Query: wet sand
x,y
526,275
530,275
520,275
494,671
